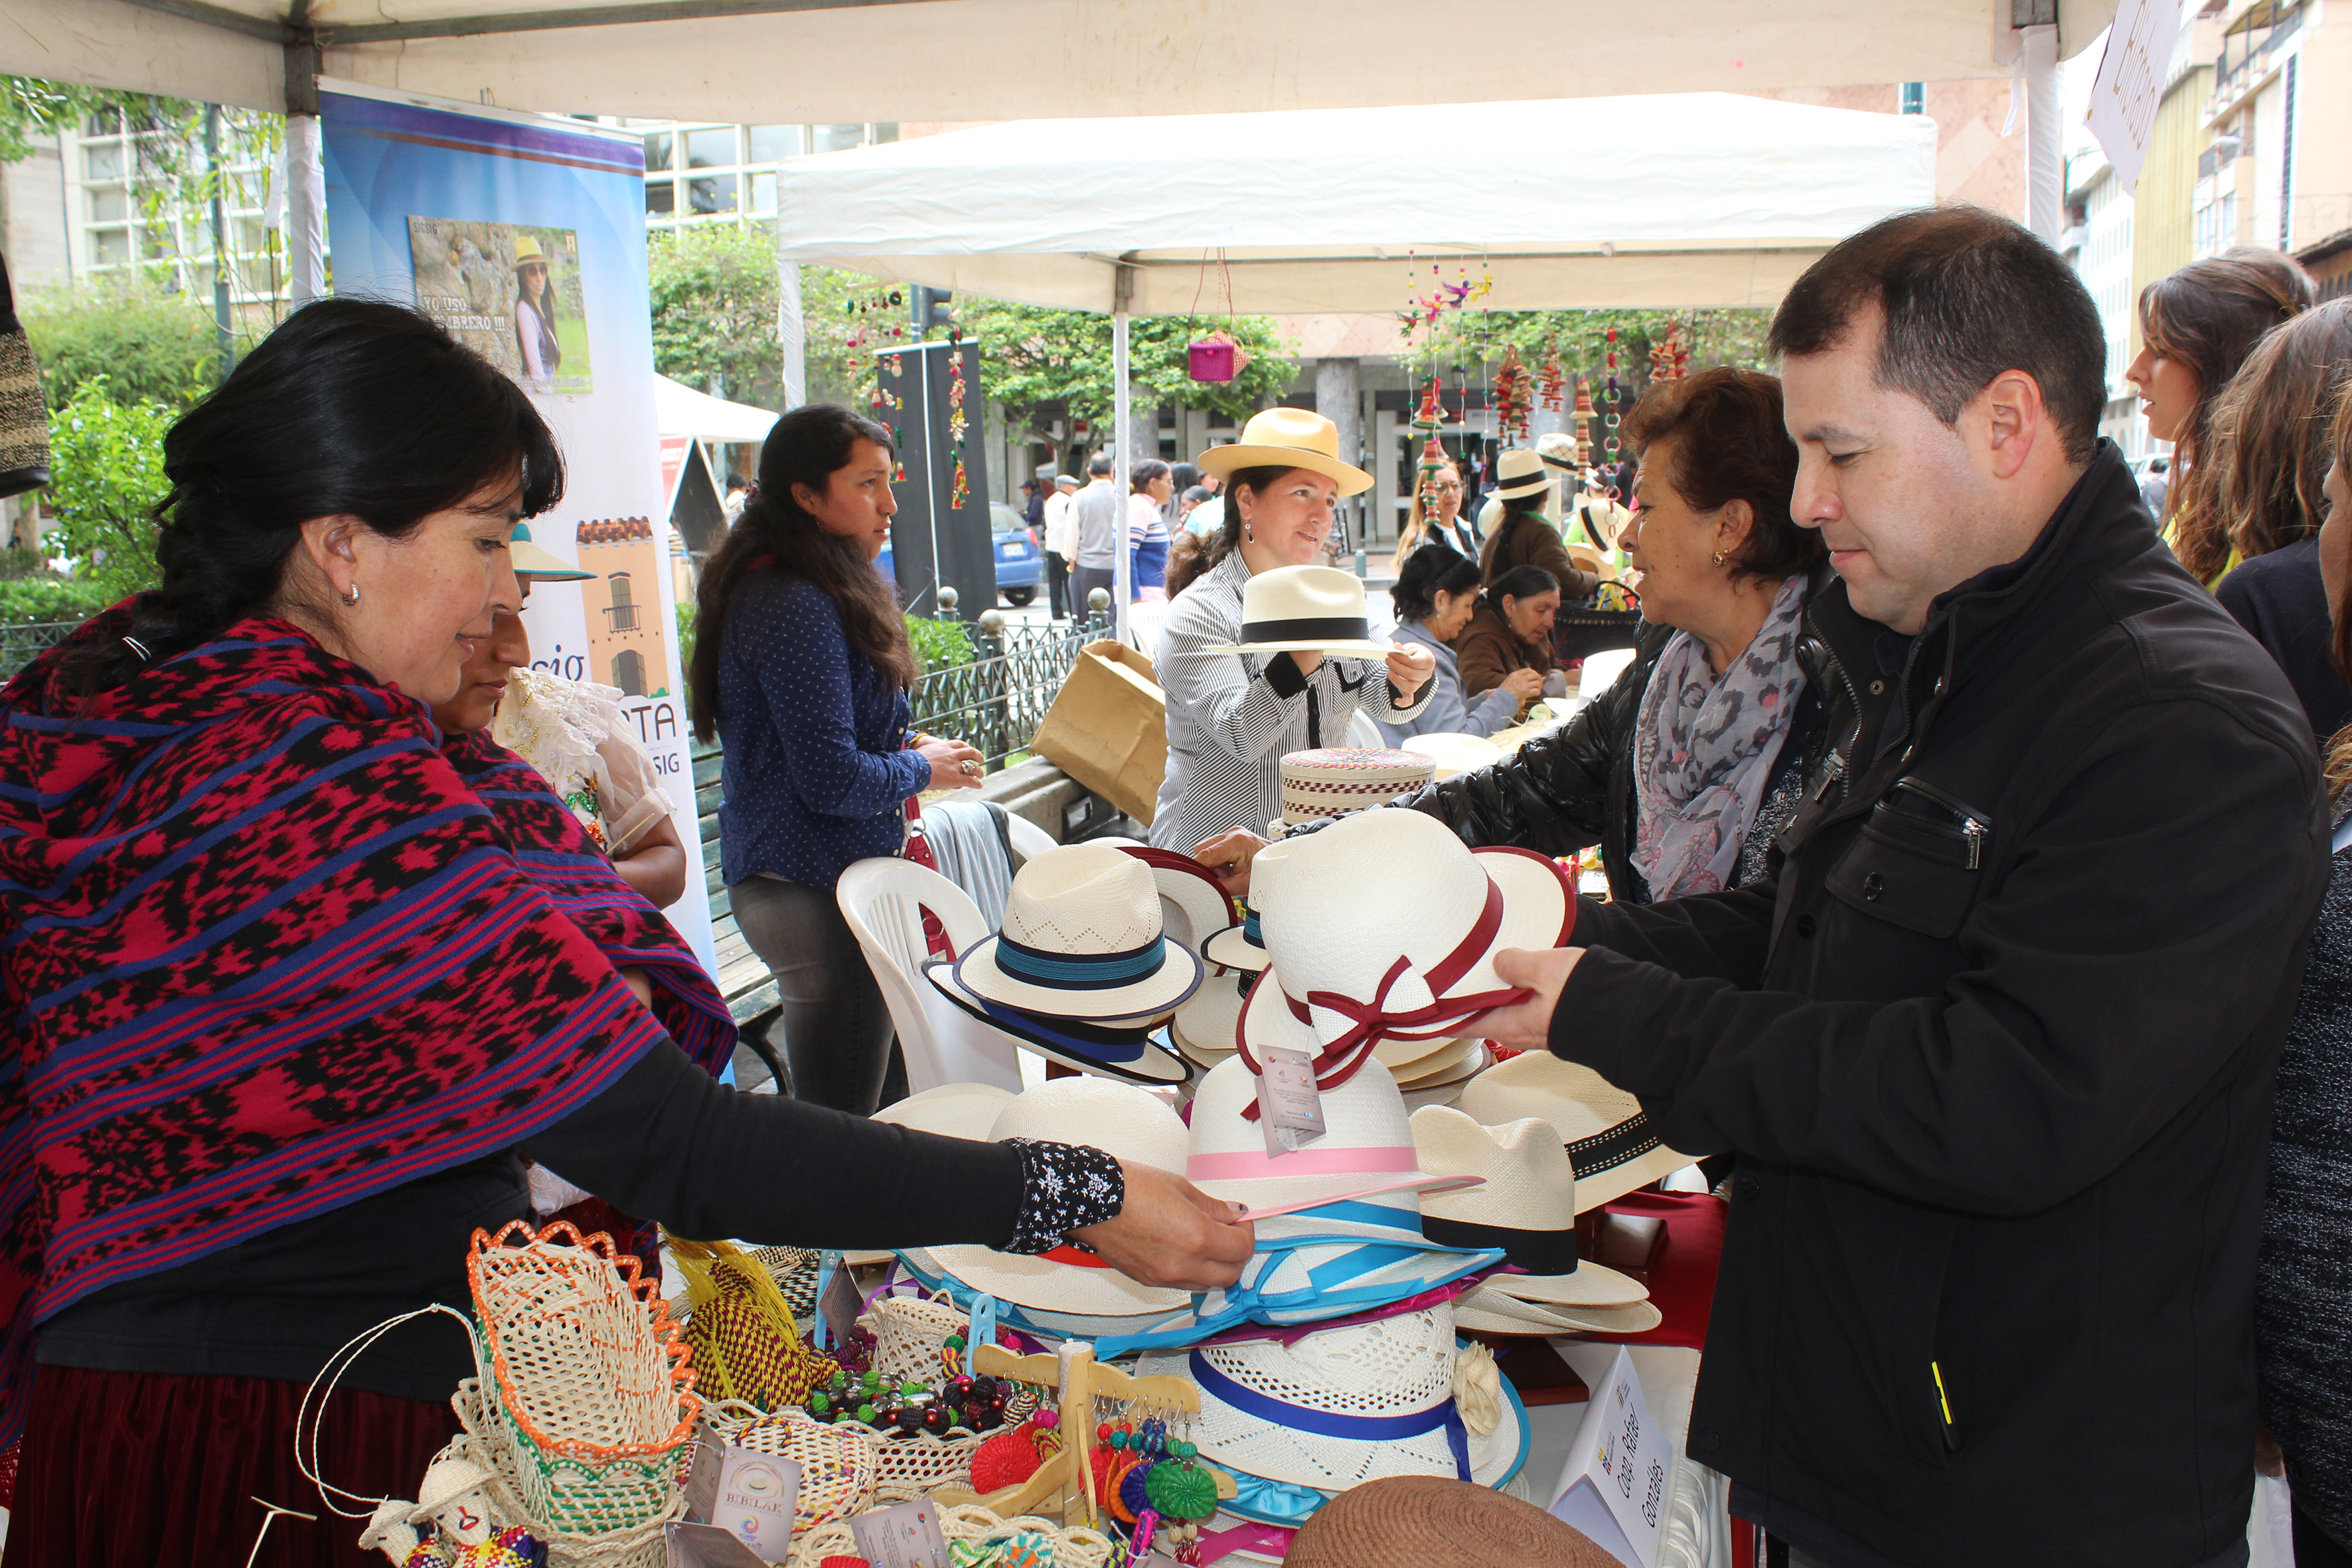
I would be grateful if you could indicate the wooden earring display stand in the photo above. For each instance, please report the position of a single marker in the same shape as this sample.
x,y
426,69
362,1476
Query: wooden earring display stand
x,y
1066,1481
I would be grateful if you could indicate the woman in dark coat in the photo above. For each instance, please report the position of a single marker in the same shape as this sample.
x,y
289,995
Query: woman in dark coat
x,y
1685,768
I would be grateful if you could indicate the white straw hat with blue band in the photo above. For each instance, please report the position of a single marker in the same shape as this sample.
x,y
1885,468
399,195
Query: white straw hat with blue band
x,y
1081,939
1133,1051
1241,946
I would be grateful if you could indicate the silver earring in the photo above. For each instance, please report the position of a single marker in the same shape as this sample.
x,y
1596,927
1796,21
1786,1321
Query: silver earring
x,y
1248,533
353,596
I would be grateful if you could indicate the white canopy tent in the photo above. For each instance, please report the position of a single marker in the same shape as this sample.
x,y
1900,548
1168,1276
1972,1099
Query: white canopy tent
x,y
682,411
1688,199
1685,200
830,61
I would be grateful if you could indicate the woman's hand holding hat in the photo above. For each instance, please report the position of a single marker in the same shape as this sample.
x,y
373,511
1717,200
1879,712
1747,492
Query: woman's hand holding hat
x,y
1409,669
1169,1233
1527,1026
1228,857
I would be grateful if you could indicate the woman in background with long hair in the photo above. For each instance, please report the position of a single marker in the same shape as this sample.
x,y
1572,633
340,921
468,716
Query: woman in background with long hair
x,y
803,668
2199,324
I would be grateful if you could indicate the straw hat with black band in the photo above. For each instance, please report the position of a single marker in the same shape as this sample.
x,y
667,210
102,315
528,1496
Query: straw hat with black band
x,y
1287,439
1520,473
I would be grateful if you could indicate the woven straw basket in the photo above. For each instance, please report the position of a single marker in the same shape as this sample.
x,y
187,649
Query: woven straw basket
x,y
583,1378
1074,1548
638,1547
746,1339
839,1475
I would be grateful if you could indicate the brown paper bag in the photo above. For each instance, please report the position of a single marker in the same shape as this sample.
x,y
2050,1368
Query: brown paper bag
x,y
1108,728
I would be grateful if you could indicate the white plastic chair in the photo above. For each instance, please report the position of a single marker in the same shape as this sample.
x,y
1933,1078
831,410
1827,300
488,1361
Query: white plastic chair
x,y
883,899
1362,731
1029,840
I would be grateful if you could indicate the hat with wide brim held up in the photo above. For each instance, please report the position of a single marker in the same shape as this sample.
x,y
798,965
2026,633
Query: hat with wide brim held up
x,y
1287,439
1308,609
1124,1120
1132,1052
1083,941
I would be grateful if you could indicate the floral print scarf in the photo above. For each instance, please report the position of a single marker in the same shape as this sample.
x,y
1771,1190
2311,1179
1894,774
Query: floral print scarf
x,y
1704,748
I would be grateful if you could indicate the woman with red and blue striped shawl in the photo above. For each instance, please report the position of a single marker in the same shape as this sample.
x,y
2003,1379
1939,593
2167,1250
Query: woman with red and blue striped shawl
x,y
291,985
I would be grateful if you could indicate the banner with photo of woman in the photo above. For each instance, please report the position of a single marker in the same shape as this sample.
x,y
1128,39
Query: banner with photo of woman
x,y
525,236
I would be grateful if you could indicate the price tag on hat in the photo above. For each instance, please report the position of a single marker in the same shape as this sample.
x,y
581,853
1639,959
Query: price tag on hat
x,y
1290,1101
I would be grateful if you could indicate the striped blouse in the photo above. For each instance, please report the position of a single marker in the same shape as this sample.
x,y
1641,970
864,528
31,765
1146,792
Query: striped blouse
x,y
1231,717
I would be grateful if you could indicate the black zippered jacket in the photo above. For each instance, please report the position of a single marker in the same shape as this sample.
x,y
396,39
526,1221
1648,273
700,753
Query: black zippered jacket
x,y
1995,1051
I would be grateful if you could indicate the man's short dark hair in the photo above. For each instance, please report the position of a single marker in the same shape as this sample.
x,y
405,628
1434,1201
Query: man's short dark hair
x,y
1101,464
1964,295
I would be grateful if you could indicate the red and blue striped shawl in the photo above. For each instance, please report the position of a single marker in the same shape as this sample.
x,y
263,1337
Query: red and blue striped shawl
x,y
268,948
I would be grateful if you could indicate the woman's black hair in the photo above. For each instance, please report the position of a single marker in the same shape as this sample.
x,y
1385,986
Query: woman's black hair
x,y
1520,583
1258,481
1143,473
354,406
550,349
806,447
1186,476
1432,570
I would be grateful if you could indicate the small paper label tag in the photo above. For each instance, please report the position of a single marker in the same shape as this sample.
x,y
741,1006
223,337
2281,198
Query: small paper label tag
x,y
1289,1103
840,1303
905,1536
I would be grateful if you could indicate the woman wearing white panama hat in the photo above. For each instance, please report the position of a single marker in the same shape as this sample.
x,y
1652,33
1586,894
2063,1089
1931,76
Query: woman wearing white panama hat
x,y
534,315
1232,715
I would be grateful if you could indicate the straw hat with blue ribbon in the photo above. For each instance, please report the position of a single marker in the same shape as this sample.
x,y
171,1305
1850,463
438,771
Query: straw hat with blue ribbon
x,y
1081,939
1130,1051
1334,1407
1239,946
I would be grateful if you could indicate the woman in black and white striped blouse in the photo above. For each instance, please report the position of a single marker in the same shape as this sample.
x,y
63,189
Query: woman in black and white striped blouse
x,y
1232,716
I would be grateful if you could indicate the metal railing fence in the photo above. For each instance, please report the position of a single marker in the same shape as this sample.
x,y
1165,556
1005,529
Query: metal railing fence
x,y
995,703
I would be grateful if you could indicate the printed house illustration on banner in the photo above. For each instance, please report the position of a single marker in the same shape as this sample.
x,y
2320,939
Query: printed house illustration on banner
x,y
629,647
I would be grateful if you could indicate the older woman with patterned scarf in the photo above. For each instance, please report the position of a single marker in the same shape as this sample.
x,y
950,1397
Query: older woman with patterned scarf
x,y
1685,768
291,990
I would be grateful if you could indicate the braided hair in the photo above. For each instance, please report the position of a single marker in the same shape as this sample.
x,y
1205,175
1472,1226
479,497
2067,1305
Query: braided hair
x,y
352,406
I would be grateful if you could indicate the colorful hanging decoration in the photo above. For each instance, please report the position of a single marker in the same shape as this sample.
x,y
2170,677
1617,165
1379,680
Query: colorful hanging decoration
x,y
1554,382
1582,416
1670,356
1511,397
1429,421
1616,402
1441,296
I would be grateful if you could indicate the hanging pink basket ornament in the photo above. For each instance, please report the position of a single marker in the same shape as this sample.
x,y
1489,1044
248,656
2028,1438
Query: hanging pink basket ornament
x,y
1216,357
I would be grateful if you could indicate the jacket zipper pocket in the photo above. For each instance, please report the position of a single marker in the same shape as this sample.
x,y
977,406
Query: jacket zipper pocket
x,y
1974,825
1944,1409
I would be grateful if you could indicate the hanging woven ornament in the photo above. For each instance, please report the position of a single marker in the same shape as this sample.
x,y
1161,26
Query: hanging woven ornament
x,y
1553,380
1180,1488
962,491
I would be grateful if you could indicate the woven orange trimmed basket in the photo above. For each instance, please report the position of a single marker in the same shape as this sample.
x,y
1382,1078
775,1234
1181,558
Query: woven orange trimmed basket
x,y
585,1375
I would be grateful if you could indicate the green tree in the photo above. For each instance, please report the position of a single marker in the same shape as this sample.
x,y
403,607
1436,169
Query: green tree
x,y
715,299
108,462
1031,354
149,345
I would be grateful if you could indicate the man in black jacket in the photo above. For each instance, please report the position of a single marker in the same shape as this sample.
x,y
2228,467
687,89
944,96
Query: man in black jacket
x,y
1995,1050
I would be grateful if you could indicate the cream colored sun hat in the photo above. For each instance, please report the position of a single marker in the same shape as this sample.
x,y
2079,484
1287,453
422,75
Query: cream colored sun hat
x,y
1609,1141
1487,1310
1124,1122
1202,1028
1525,1205
1308,609
1241,946
952,1110
1192,906
1287,439
1081,939
1520,472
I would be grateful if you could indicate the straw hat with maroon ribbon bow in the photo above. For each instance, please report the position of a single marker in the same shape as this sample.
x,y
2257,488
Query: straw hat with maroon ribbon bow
x,y
1348,973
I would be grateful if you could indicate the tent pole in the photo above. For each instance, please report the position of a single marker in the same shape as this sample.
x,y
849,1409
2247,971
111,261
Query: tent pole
x,y
1122,433
2044,136
792,331
306,174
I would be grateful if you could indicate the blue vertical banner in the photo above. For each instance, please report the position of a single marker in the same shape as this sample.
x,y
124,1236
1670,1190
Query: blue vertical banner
x,y
525,236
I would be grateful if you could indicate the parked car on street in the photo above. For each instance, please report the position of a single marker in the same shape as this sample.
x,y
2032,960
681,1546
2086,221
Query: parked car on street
x,y
1020,559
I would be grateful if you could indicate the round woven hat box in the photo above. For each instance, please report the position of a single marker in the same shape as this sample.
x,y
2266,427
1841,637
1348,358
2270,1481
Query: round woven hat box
x,y
1336,780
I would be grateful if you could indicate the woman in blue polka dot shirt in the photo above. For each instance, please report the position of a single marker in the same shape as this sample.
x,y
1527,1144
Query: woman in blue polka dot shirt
x,y
801,665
